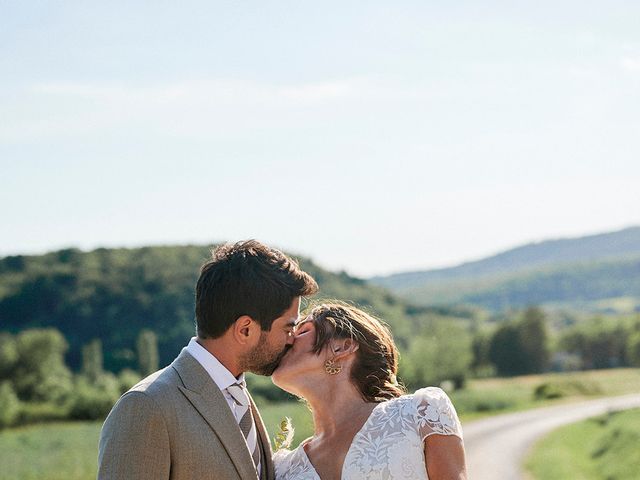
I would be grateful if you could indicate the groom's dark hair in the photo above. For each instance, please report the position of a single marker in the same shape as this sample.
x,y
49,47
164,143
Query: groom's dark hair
x,y
247,278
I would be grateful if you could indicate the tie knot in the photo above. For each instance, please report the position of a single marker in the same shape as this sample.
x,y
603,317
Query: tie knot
x,y
239,394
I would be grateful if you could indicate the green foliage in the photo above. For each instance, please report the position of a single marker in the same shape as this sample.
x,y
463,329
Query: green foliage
x,y
534,340
92,360
577,272
442,351
600,343
474,401
40,412
633,349
127,378
521,346
147,348
114,294
480,348
565,388
9,405
93,400
40,373
8,354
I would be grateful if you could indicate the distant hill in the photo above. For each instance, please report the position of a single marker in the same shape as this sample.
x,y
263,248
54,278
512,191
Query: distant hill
x,y
112,294
592,272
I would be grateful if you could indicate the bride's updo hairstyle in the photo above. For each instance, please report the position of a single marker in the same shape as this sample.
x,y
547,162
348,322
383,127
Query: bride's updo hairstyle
x,y
376,365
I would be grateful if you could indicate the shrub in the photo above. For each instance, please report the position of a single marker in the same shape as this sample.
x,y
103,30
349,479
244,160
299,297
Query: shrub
x,y
93,401
127,378
467,401
559,389
9,405
42,412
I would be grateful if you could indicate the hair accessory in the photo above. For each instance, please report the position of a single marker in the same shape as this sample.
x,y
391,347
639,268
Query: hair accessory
x,y
331,367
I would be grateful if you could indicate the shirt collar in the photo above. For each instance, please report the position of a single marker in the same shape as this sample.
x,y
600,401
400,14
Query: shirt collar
x,y
222,377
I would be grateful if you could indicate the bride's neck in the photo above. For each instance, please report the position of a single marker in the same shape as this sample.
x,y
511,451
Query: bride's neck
x,y
335,406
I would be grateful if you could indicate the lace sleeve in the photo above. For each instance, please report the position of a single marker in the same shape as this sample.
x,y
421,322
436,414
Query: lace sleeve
x,y
435,414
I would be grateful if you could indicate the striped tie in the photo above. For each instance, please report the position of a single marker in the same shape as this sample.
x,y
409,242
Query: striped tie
x,y
247,425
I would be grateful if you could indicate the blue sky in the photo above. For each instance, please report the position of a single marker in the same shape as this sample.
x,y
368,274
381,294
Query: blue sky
x,y
372,136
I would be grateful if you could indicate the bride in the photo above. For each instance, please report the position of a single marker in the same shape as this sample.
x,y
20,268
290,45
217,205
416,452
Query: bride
x,y
344,363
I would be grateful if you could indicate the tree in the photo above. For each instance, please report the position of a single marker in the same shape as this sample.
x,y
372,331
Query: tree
x,y
40,374
8,354
533,340
599,343
521,347
442,352
147,347
480,347
92,360
633,349
504,350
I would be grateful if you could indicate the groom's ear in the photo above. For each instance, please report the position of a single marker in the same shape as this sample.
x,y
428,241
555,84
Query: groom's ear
x,y
343,347
244,328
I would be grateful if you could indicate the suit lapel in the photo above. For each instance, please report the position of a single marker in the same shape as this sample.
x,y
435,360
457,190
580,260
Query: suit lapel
x,y
208,400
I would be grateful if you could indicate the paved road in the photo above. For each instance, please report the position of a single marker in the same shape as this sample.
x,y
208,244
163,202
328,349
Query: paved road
x,y
496,446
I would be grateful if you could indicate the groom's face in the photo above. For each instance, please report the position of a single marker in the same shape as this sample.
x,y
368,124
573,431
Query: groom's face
x,y
272,346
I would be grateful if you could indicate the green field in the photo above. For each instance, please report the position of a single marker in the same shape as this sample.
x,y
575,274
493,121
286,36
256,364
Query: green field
x,y
501,395
598,448
69,450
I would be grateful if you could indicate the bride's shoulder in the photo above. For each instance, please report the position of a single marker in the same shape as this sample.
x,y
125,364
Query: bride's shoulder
x,y
431,410
430,395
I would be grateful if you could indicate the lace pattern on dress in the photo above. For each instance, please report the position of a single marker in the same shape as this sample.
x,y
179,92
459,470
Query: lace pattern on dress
x,y
390,444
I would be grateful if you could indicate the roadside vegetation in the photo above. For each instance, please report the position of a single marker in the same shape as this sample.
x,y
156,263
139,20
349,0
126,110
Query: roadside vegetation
x,y
601,447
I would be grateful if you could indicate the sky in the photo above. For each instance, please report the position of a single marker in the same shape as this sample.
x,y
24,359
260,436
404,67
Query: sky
x,y
371,136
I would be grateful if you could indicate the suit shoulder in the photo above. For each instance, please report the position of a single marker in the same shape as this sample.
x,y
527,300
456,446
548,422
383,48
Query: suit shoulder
x,y
157,382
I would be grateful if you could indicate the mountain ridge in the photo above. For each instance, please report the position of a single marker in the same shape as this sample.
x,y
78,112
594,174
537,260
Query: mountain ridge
x,y
569,271
610,245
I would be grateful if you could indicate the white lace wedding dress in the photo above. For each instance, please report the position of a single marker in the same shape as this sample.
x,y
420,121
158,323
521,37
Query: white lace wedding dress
x,y
390,444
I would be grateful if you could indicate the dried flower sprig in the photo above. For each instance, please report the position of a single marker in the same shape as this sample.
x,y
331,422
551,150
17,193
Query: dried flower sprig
x,y
284,437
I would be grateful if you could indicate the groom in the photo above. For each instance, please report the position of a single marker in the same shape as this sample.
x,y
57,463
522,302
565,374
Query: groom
x,y
195,418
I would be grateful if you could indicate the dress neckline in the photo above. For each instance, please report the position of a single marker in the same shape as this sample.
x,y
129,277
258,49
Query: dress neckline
x,y
353,440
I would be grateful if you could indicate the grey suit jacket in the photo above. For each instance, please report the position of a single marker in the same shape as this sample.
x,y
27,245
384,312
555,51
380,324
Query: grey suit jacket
x,y
176,424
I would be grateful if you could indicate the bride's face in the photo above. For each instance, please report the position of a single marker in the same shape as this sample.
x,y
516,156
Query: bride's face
x,y
300,362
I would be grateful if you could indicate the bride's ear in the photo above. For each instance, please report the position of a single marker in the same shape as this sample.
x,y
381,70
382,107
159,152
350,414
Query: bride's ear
x,y
343,347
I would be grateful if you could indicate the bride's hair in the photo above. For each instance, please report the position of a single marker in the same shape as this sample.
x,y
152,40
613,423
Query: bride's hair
x,y
376,365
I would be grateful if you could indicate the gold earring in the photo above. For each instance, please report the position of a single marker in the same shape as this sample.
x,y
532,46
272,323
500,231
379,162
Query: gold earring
x,y
332,367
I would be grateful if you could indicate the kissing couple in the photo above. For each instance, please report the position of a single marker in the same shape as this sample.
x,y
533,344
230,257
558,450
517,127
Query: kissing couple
x,y
195,419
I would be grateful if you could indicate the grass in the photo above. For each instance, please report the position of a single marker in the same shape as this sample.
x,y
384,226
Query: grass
x,y
604,447
57,451
69,450
491,396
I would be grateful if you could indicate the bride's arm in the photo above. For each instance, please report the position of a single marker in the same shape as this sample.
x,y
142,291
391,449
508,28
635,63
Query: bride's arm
x,y
444,456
